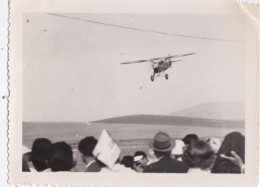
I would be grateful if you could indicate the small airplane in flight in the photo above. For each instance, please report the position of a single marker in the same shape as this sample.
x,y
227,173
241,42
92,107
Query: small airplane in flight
x,y
160,64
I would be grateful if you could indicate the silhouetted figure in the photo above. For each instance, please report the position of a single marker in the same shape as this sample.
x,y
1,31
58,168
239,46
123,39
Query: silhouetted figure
x,y
39,154
233,143
199,156
61,157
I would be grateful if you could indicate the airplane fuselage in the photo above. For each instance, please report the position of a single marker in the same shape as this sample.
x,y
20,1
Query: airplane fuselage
x,y
162,66
159,67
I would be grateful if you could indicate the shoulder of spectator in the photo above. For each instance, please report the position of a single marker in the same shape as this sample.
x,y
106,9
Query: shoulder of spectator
x,y
148,168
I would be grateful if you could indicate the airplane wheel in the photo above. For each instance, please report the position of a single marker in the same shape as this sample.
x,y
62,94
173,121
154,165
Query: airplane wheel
x,y
166,76
152,78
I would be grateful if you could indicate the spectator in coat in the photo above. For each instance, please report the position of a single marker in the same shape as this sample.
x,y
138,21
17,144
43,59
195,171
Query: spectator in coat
x,y
86,148
162,145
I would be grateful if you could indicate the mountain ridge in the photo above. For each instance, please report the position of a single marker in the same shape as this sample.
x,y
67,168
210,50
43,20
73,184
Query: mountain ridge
x,y
171,120
225,110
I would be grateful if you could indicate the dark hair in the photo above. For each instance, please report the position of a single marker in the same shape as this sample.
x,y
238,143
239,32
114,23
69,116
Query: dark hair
x,y
190,138
198,154
127,161
40,151
61,157
234,141
87,145
140,153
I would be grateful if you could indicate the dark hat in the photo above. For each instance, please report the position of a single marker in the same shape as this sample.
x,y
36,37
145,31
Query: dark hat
x,y
162,142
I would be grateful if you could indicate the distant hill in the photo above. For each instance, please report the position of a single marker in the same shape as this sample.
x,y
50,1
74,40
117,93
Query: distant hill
x,y
217,110
172,120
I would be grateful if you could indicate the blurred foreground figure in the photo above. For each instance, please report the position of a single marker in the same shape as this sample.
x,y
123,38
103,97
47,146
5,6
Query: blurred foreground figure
x,y
39,155
61,157
231,155
199,156
162,145
36,159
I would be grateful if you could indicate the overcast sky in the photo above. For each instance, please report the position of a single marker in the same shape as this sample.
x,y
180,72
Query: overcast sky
x,y
72,69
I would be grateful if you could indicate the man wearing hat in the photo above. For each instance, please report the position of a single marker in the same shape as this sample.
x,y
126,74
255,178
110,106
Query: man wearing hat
x,y
162,146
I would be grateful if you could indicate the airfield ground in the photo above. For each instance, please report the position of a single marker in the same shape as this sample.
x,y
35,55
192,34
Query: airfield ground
x,y
129,137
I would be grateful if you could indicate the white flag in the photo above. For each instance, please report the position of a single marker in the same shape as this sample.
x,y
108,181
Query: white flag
x,y
106,150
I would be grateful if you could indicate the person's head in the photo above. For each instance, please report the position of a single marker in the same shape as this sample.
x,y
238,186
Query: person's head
x,y
162,144
198,154
39,154
234,141
127,161
214,143
86,147
190,138
61,157
140,157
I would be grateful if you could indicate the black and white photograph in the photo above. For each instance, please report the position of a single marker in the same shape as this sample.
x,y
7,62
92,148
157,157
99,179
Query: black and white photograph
x,y
135,93
169,101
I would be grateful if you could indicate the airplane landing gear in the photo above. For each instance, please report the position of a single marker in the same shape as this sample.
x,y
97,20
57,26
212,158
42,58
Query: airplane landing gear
x,y
166,76
152,78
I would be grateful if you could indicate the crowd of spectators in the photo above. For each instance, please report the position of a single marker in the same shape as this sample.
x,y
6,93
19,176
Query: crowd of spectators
x,y
166,155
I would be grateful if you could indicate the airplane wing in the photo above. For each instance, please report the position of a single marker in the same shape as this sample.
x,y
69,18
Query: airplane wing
x,y
158,58
141,61
181,55
176,60
137,61
177,56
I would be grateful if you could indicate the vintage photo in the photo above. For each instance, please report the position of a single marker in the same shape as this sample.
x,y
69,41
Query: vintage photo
x,y
82,76
134,94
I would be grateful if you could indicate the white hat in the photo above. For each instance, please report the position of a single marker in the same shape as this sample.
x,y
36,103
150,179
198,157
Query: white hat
x,y
137,158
